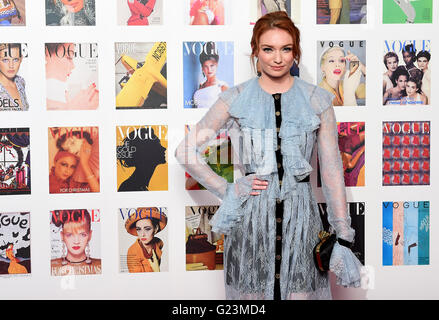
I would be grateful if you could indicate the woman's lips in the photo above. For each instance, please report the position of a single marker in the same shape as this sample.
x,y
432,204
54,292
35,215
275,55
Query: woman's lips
x,y
76,247
337,71
277,68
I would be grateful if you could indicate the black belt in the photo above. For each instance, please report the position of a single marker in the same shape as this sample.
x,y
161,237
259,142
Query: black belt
x,y
306,179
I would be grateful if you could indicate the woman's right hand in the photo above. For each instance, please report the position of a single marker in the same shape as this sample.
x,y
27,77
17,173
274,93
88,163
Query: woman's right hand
x,y
86,98
258,184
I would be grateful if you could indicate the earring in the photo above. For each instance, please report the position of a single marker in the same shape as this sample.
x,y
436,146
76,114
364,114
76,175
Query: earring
x,y
64,254
87,254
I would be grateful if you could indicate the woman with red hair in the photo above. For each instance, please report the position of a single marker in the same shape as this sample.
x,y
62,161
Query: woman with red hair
x,y
140,11
270,216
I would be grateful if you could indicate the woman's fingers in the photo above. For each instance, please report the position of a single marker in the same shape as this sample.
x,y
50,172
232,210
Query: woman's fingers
x,y
258,185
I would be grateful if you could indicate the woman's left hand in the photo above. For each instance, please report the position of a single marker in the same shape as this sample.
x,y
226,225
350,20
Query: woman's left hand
x,y
85,153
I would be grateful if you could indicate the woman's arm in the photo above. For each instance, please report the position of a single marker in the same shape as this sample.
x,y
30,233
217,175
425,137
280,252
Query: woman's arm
x,y
84,157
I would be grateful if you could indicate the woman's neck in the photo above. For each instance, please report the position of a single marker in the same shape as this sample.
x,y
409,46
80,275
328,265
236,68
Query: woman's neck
x,y
5,81
332,83
276,85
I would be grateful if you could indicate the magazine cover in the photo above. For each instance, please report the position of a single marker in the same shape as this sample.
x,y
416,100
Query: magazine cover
x,y
75,241
406,233
140,75
351,144
341,70
15,243
70,13
356,212
73,159
13,76
72,76
143,239
204,248
12,13
261,7
406,153
142,163
407,11
208,12
341,11
139,12
207,71
14,161
218,155
407,72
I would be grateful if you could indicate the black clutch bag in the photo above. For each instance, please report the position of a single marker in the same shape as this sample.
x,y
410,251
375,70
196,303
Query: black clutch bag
x,y
323,250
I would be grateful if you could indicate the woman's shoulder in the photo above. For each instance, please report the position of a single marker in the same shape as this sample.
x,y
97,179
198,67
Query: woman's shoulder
x,y
230,94
319,98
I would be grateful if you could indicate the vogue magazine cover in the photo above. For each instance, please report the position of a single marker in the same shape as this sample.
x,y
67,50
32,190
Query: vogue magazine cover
x,y
139,12
406,153
12,13
143,239
15,243
407,72
14,161
73,159
406,233
13,76
141,153
72,76
341,70
204,248
208,12
407,11
140,75
70,13
75,237
261,7
207,71
341,11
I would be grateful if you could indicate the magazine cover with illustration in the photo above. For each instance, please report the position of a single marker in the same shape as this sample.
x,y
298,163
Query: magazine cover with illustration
x,y
406,153
143,239
142,163
208,12
15,243
406,233
75,242
341,70
13,75
351,144
204,248
140,75
261,7
14,161
218,155
73,159
356,212
139,12
208,70
70,13
407,72
72,76
341,11
12,13
407,11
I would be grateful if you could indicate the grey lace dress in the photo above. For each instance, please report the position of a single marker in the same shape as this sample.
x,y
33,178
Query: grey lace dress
x,y
248,114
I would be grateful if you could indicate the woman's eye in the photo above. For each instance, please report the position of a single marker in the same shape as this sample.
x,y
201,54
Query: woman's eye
x,y
288,49
267,49
331,60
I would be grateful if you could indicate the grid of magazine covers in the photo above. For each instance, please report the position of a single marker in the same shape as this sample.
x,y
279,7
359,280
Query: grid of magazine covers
x,y
76,152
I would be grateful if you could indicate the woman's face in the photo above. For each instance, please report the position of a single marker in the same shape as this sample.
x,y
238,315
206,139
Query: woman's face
x,y
65,167
76,238
422,63
411,88
59,65
401,83
73,5
334,64
407,57
209,68
145,231
10,60
275,53
391,64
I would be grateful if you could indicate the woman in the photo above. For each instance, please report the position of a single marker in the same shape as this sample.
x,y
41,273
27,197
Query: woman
x,y
12,86
208,91
140,11
266,6
352,153
59,66
391,61
269,216
74,153
9,10
394,95
423,60
207,12
70,13
344,84
145,254
76,235
414,95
